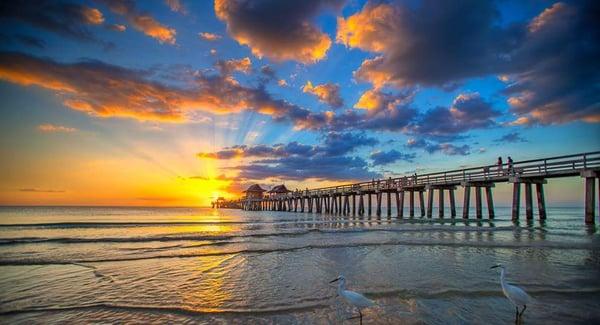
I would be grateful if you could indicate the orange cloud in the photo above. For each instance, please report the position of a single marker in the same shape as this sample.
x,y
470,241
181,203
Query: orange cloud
x,y
104,90
242,65
117,27
279,30
327,93
55,128
549,15
142,22
209,36
176,6
365,29
92,16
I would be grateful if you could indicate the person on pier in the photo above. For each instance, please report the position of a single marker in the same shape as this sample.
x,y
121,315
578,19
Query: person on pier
x,y
499,166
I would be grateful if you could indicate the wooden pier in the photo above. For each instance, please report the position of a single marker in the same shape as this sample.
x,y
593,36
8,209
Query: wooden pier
x,y
350,199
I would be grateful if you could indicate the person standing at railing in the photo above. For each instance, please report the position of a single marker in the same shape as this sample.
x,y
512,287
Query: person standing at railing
x,y
510,166
499,166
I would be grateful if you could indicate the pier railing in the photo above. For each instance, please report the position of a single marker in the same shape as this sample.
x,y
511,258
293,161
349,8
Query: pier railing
x,y
560,166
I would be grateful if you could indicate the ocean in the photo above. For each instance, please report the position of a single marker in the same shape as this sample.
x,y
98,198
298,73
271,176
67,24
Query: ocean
x,y
205,266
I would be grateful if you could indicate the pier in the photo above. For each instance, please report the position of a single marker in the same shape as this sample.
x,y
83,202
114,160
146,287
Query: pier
x,y
365,198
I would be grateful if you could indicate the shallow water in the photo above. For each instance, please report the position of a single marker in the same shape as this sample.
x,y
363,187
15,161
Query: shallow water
x,y
184,265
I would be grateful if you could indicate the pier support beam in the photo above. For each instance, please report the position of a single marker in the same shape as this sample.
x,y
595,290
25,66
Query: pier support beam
x,y
490,202
528,201
389,204
369,203
422,202
430,203
478,209
516,201
452,203
400,202
378,196
541,201
466,202
361,205
353,204
441,203
590,197
412,203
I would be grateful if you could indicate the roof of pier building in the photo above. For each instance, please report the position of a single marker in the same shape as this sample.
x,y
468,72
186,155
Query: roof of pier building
x,y
255,189
279,189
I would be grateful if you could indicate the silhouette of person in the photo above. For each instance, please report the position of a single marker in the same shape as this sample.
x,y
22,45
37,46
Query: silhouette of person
x,y
499,166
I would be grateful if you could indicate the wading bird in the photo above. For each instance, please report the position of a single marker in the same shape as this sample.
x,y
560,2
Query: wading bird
x,y
517,296
354,298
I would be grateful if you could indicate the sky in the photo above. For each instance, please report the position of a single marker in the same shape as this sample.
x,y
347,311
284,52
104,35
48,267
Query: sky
x,y
175,102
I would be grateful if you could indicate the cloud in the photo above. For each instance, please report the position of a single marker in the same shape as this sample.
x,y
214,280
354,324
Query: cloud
x,y
60,17
341,168
549,63
106,90
334,144
430,43
92,16
26,40
176,6
209,36
468,111
279,30
141,21
35,190
446,148
242,65
295,161
557,80
389,157
117,27
55,128
327,93
511,138
282,83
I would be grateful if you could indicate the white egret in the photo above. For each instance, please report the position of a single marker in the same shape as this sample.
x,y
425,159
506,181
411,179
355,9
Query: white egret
x,y
354,298
517,296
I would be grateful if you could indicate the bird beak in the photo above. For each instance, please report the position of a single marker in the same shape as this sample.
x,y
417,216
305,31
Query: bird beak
x,y
332,281
495,266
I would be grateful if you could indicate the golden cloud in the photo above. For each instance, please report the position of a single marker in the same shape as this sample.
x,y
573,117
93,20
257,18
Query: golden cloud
x,y
55,128
92,16
279,30
209,36
327,93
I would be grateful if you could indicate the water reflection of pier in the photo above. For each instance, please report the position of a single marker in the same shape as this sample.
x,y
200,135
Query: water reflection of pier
x,y
358,198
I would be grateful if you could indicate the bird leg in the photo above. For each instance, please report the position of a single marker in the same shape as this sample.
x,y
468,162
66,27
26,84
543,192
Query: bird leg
x,y
522,311
360,313
517,315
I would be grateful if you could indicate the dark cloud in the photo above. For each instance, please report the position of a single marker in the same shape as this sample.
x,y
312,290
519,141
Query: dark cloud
x,y
328,93
61,17
334,144
26,40
559,71
549,63
468,112
341,168
280,30
432,147
511,137
389,157
431,43
327,161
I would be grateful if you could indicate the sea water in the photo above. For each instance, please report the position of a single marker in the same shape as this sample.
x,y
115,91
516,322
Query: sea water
x,y
197,265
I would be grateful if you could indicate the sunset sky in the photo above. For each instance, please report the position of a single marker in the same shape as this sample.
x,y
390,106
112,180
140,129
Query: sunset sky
x,y
174,103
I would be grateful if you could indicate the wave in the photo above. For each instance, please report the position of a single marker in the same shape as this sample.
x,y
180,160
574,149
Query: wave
x,y
293,232
543,245
318,304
